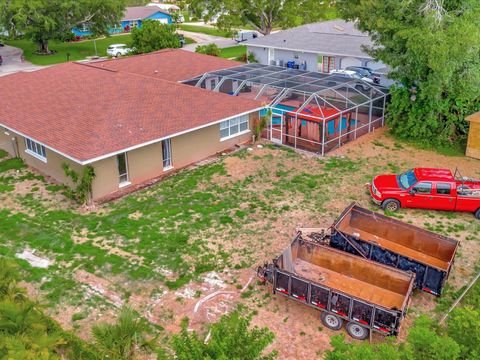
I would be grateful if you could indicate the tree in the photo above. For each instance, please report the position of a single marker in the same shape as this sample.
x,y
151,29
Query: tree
x,y
124,339
432,48
153,36
210,49
45,20
229,339
463,327
262,15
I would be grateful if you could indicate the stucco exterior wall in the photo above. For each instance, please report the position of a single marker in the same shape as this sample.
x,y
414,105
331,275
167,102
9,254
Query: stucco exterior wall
x,y
146,163
52,167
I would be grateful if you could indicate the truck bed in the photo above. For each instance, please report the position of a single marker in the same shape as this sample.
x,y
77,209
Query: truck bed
x,y
348,285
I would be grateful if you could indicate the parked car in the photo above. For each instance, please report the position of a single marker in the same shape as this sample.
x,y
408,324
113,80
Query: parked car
x,y
427,188
181,38
118,50
364,71
245,35
349,74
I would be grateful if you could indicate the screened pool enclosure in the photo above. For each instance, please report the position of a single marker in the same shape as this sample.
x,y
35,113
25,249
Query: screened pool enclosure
x,y
309,110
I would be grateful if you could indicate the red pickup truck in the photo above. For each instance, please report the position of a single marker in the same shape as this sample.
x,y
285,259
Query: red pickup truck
x,y
427,188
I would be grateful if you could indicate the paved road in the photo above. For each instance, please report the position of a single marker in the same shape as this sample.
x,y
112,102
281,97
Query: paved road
x,y
12,61
204,39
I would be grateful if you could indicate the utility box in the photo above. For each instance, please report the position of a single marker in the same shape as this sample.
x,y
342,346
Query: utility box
x,y
473,144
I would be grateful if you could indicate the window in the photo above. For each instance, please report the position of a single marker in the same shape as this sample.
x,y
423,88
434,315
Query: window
x,y
133,23
35,149
122,164
443,189
167,154
424,188
233,127
407,179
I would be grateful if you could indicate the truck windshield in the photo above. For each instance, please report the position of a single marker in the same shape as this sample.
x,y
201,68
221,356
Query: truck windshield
x,y
407,179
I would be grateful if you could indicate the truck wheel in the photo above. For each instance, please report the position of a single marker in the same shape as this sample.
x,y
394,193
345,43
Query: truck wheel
x,y
357,332
331,321
477,214
391,205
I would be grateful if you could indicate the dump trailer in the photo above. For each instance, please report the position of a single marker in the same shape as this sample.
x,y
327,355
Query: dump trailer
x,y
395,243
367,296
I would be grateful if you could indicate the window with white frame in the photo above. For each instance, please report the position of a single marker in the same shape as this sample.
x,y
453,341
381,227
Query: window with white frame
x,y
167,154
35,149
232,127
122,165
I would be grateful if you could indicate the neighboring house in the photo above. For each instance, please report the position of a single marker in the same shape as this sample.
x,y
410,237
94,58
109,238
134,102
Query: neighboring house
x,y
129,118
134,16
322,47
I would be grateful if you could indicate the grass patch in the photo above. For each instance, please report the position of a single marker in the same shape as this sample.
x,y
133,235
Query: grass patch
x,y
205,30
9,164
233,52
3,154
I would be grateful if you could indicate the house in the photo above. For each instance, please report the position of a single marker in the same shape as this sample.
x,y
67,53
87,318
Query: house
x,y
134,16
322,47
130,119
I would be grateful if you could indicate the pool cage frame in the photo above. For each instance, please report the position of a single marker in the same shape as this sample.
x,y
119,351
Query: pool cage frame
x,y
309,110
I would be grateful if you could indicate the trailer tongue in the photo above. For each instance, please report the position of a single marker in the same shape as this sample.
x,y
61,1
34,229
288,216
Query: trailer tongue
x,y
368,295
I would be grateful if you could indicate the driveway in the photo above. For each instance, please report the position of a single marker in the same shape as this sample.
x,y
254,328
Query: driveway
x,y
12,61
204,39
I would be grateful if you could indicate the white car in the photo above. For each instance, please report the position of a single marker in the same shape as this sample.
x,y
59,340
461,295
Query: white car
x,y
118,50
350,74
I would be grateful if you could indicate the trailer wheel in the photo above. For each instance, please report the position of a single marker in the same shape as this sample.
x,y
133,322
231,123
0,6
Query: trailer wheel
x,y
331,321
357,332
391,205
477,214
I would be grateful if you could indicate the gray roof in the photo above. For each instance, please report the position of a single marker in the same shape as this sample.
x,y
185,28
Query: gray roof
x,y
141,12
333,37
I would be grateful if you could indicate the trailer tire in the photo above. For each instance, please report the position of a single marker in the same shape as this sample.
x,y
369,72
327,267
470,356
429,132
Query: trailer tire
x,y
331,321
357,332
477,214
391,205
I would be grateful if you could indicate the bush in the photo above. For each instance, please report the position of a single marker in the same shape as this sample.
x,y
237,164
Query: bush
x,y
230,338
210,49
153,36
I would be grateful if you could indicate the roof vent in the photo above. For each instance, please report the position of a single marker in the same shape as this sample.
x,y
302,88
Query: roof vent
x,y
156,71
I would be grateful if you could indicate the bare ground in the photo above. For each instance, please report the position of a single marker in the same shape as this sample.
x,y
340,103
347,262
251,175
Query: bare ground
x,y
294,325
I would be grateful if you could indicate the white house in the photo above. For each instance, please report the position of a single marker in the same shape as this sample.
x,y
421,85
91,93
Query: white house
x,y
322,47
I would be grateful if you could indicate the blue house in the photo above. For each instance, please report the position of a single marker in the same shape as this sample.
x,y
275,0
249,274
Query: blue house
x,y
134,16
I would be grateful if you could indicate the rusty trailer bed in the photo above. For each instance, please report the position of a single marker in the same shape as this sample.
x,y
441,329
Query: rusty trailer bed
x,y
395,243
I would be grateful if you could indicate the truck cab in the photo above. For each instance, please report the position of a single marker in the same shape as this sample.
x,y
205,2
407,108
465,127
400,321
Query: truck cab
x,y
427,188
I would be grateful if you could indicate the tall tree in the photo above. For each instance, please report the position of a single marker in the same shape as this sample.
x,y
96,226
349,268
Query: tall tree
x,y
153,36
432,47
262,15
44,20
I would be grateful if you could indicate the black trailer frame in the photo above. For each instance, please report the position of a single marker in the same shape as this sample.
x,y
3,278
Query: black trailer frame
x,y
428,278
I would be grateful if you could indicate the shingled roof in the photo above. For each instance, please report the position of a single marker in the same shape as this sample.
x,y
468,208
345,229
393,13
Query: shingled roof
x,y
141,12
85,112
333,37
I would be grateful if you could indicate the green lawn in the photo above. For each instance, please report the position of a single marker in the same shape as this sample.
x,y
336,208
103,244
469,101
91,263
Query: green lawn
x,y
77,50
205,30
233,52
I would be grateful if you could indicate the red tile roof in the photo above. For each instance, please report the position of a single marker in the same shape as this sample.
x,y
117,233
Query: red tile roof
x,y
85,112
169,64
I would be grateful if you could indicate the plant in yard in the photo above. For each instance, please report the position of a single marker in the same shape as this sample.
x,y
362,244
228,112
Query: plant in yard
x,y
230,338
210,49
432,48
124,339
260,124
153,36
83,191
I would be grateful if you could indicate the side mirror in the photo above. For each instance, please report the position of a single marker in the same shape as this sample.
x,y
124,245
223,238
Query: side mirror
x,y
412,191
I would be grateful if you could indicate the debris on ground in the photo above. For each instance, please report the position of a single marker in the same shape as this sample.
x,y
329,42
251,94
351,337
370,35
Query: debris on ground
x,y
33,260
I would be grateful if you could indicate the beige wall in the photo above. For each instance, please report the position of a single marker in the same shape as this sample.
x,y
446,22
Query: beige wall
x,y
200,144
53,166
143,163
